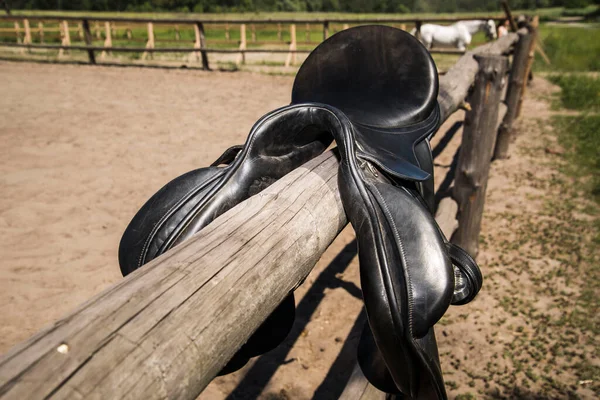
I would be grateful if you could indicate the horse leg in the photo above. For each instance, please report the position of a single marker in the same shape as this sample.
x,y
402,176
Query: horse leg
x,y
427,41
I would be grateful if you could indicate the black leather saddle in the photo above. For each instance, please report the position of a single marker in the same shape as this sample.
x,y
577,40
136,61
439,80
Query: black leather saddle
x,y
373,90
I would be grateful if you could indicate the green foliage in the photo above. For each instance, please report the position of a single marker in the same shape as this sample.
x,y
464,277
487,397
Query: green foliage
x,y
570,48
575,3
581,136
579,92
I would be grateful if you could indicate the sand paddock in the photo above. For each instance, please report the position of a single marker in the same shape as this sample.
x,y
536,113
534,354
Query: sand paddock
x,y
82,148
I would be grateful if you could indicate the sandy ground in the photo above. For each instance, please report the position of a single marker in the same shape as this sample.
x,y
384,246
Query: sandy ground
x,y
82,149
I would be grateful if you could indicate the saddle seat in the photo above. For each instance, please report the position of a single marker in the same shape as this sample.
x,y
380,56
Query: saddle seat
x,y
387,85
373,90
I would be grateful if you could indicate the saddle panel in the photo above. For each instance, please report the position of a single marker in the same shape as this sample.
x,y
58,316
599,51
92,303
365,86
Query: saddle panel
x,y
158,217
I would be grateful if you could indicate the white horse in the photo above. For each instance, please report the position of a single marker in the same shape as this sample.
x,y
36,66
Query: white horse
x,y
458,35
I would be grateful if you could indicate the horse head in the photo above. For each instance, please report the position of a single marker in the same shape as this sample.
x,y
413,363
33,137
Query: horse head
x,y
490,29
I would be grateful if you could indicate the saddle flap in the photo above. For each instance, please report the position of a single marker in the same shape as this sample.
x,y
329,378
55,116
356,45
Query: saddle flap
x,y
407,281
413,243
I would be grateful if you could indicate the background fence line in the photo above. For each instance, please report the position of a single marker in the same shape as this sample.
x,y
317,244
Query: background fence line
x,y
109,27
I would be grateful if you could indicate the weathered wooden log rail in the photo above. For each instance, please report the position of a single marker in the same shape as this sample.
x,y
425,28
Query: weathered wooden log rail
x,y
166,330
106,28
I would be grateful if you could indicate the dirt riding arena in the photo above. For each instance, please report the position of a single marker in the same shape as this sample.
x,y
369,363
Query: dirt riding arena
x,y
83,147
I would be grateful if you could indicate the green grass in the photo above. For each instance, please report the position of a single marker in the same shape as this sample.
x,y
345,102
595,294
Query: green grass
x,y
570,49
580,136
578,92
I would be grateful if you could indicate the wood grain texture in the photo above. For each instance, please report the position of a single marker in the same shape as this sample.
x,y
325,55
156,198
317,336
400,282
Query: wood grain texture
x,y
445,216
358,386
477,147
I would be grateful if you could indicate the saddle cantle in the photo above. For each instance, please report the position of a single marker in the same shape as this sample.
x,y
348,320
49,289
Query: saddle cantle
x,y
373,90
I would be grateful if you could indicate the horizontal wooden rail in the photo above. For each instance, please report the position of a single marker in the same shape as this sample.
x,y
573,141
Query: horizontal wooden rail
x,y
455,84
149,50
89,34
167,329
15,17
177,49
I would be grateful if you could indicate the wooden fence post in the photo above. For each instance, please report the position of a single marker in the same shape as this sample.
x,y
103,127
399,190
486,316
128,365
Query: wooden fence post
x,y
403,27
197,44
150,42
177,34
97,30
253,32
307,33
279,37
325,30
227,36
27,38
18,32
530,56
65,36
201,44
345,26
291,58
80,33
88,40
108,40
509,16
477,146
242,56
515,86
41,31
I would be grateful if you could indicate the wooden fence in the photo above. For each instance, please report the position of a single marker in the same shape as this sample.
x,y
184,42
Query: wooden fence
x,y
88,29
167,329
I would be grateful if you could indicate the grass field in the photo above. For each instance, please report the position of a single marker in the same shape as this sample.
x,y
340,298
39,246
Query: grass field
x,y
580,133
570,48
